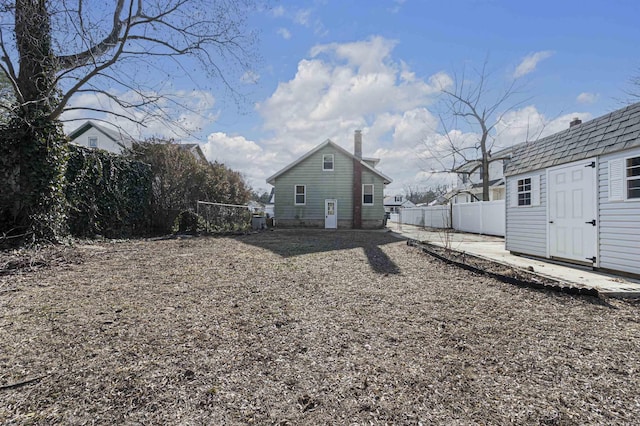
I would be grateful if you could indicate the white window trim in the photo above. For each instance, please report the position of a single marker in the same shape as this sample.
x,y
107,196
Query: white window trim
x,y
524,192
295,194
333,159
618,180
627,179
535,191
372,194
89,141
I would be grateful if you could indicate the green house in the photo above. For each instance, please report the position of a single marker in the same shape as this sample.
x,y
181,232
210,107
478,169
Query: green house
x,y
329,187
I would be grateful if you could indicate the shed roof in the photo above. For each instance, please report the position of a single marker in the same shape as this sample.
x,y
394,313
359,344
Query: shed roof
x,y
613,132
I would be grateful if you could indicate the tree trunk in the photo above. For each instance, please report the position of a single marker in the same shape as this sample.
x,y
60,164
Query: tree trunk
x,y
34,146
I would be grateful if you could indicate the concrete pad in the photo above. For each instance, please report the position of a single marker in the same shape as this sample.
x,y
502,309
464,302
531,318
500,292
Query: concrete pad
x,y
493,248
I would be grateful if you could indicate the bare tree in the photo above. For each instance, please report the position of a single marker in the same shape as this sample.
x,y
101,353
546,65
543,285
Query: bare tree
x,y
471,106
53,50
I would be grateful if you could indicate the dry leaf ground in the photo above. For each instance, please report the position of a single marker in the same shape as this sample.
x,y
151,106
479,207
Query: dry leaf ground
x,y
303,327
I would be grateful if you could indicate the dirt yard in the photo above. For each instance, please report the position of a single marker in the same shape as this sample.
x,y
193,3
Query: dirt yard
x,y
297,328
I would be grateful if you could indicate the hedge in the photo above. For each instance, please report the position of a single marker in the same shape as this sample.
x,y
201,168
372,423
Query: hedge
x,y
107,194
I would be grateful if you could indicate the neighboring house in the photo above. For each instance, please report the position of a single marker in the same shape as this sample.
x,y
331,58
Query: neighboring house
x,y
394,203
195,150
469,185
269,208
255,206
93,135
575,195
330,188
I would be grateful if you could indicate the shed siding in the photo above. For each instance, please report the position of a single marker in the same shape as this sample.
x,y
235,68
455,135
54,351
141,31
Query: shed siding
x,y
619,223
526,226
322,185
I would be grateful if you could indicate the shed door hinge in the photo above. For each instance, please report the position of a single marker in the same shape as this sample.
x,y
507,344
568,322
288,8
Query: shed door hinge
x,y
592,259
592,222
591,164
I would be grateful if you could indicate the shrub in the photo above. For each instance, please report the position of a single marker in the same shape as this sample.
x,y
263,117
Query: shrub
x,y
188,222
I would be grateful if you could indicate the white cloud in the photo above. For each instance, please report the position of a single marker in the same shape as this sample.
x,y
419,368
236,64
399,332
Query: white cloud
x,y
240,154
278,11
284,33
250,77
530,62
587,98
177,116
528,124
346,86
302,17
397,5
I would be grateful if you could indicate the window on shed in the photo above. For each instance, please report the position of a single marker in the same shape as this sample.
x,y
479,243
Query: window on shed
x,y
633,177
524,192
327,162
300,194
367,194
93,142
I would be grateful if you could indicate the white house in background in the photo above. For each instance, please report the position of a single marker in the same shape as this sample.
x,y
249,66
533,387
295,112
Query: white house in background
x,y
395,203
575,195
469,185
255,206
93,135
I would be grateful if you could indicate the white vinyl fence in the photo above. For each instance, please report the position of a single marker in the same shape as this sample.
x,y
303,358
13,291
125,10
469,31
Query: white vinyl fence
x,y
431,217
485,217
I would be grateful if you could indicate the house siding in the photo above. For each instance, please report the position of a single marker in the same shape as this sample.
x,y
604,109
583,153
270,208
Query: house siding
x,y
322,185
619,223
104,142
526,226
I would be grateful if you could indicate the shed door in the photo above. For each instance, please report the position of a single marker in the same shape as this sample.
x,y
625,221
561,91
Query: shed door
x,y
331,214
572,212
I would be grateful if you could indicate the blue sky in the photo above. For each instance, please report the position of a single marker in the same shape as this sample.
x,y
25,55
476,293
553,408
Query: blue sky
x,y
329,67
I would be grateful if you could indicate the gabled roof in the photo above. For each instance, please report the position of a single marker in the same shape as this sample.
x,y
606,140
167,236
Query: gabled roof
x,y
328,142
194,149
111,134
613,132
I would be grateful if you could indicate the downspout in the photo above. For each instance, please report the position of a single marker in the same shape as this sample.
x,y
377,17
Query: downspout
x,y
357,180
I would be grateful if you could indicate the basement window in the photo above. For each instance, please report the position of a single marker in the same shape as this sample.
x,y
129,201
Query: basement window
x,y
367,194
300,195
633,177
524,192
327,162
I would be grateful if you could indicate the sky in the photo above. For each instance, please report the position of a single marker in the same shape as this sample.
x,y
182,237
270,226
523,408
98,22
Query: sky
x,y
326,68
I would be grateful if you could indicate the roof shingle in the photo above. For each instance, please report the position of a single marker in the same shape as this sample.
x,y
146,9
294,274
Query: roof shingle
x,y
613,132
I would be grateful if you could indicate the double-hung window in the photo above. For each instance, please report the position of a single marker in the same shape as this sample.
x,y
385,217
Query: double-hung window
x,y
327,162
300,195
633,177
524,192
367,194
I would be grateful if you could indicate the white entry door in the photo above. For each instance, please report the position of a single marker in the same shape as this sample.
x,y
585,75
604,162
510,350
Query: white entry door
x,y
331,214
572,212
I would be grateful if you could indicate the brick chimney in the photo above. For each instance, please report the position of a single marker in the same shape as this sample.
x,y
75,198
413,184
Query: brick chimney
x,y
357,144
575,122
357,180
